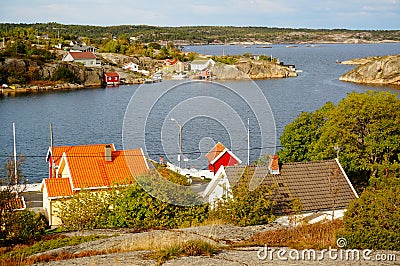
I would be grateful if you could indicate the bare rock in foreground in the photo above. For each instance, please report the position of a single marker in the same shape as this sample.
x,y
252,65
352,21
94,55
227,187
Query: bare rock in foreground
x,y
378,70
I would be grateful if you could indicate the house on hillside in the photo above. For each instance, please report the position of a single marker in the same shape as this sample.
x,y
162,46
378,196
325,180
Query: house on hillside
x,y
131,66
171,65
201,64
111,78
83,48
320,186
219,156
88,59
89,167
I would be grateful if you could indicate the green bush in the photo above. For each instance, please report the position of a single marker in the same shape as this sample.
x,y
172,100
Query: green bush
x,y
64,74
21,226
129,206
85,210
135,207
373,220
245,207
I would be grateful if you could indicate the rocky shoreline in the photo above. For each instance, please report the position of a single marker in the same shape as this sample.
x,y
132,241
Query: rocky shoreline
x,y
93,77
382,70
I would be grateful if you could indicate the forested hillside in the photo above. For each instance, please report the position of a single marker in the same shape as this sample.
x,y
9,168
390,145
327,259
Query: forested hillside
x,y
203,34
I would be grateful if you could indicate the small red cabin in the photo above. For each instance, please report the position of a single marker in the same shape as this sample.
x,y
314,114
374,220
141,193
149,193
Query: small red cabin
x,y
219,156
111,78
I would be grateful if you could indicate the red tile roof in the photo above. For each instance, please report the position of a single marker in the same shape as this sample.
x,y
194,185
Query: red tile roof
x,y
83,55
111,74
170,62
78,151
88,168
58,187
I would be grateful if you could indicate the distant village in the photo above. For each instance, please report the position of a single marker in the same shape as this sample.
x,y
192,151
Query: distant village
x,y
171,68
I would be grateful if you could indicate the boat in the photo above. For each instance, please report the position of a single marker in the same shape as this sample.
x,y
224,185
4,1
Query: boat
x,y
291,46
156,78
179,76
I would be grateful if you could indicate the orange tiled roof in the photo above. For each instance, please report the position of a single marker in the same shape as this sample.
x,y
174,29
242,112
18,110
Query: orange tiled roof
x,y
58,187
215,151
95,171
80,150
88,168
83,55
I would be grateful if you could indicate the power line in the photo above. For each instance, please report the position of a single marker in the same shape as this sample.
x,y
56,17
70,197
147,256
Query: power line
x,y
95,155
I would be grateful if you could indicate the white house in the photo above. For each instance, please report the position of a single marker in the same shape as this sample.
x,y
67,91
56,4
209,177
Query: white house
x,y
88,59
201,64
131,66
320,186
83,48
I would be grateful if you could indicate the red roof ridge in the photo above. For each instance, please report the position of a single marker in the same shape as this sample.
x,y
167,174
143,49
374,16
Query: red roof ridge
x,y
112,74
83,55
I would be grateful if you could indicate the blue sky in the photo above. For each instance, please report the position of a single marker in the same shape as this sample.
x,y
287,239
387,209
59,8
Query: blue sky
x,y
349,14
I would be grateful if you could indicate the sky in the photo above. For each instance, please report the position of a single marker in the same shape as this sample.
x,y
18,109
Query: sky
x,y
314,14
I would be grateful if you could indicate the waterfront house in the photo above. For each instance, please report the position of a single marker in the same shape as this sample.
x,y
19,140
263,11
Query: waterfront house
x,y
87,167
172,65
321,187
88,59
201,64
219,156
111,78
131,66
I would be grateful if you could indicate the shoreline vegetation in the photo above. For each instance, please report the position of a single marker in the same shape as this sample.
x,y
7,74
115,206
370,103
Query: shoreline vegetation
x,y
201,35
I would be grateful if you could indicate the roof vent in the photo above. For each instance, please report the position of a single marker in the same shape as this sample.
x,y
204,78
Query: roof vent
x,y
273,166
107,153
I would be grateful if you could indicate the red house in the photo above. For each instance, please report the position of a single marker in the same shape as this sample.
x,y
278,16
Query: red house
x,y
219,156
111,78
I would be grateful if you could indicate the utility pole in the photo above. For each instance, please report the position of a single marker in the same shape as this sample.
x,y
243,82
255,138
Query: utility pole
x,y
248,141
15,158
180,141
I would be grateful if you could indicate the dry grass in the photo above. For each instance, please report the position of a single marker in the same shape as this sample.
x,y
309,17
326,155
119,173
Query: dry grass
x,y
189,248
22,254
310,236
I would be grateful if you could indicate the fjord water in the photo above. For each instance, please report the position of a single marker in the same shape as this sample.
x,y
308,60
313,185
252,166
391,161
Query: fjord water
x,y
96,115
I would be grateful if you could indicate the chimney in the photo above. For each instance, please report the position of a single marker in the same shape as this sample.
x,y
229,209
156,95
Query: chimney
x,y
273,166
107,153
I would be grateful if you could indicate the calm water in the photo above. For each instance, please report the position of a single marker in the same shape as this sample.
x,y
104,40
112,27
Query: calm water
x,y
208,112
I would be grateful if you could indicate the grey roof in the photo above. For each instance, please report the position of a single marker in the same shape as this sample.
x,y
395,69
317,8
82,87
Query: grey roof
x,y
318,185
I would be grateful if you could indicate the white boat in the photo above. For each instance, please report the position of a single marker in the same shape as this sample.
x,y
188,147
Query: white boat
x,y
179,76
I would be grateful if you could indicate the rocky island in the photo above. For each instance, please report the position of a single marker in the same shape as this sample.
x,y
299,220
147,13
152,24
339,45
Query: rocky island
x,y
382,70
252,69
